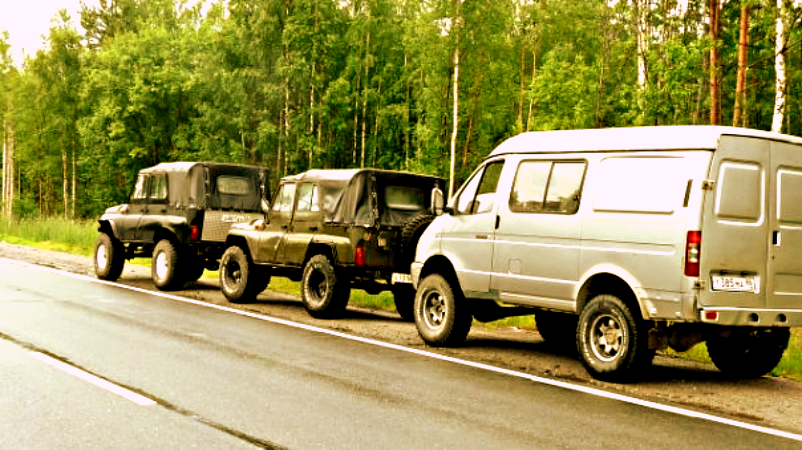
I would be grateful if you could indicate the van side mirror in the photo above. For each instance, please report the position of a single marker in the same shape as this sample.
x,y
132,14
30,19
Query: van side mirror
x,y
438,202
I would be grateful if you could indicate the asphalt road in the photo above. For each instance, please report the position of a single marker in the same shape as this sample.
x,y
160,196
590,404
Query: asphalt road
x,y
218,379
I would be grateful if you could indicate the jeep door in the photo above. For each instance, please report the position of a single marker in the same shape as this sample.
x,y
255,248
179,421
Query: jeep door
x,y
279,220
127,223
306,222
468,241
154,210
537,245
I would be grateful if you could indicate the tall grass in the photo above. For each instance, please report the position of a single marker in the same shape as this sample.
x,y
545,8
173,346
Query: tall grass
x,y
51,233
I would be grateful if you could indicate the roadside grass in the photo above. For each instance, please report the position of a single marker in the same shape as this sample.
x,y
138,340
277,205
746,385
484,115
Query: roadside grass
x,y
79,237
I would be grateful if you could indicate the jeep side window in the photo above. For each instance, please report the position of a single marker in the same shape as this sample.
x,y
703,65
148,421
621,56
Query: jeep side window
x,y
158,187
284,199
308,198
547,186
140,193
479,193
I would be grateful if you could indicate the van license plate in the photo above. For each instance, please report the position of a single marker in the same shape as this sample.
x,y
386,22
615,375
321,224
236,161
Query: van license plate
x,y
402,278
735,284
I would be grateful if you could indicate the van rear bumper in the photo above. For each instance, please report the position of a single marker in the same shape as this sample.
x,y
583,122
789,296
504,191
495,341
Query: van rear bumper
x,y
751,317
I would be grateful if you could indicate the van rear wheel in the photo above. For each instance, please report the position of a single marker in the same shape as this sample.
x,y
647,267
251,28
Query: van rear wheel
x,y
442,315
612,340
748,354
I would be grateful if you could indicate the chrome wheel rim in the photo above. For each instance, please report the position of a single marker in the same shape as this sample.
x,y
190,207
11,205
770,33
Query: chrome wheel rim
x,y
434,309
162,266
607,337
102,257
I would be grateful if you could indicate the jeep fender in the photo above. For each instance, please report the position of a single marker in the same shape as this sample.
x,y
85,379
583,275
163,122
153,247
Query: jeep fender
x,y
108,227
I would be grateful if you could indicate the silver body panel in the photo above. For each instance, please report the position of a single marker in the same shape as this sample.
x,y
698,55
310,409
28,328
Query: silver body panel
x,y
643,190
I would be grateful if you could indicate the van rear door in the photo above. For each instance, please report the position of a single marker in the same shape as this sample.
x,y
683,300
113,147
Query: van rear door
x,y
735,225
784,284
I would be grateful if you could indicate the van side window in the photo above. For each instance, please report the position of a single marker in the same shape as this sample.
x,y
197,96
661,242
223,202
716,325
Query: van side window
x,y
480,192
547,186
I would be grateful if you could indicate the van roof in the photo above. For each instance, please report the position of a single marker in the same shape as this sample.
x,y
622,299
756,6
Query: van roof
x,y
679,137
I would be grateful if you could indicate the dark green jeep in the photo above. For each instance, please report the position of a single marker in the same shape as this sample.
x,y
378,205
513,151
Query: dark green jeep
x,y
334,230
179,214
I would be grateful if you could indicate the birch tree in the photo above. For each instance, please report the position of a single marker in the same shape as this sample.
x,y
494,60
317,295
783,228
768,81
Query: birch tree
x,y
781,83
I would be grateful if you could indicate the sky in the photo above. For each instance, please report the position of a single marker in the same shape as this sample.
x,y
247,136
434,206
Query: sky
x,y
28,20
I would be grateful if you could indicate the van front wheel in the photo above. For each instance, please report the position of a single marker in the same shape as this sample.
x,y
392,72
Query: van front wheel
x,y
748,354
442,316
612,341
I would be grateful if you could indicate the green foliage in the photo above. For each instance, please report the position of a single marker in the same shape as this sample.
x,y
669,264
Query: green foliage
x,y
302,84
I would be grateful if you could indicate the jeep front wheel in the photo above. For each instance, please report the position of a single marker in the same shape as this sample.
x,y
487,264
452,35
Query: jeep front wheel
x,y
109,258
164,267
324,292
241,280
442,316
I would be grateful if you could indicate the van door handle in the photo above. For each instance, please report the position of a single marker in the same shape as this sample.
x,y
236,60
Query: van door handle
x,y
775,237
481,236
498,221
312,228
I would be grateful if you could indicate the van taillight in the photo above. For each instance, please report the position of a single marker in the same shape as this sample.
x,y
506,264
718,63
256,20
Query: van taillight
x,y
194,233
693,249
359,255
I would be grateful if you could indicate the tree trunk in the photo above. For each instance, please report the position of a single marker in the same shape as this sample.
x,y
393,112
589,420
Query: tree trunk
x,y
365,105
455,127
8,169
641,11
779,68
714,88
740,83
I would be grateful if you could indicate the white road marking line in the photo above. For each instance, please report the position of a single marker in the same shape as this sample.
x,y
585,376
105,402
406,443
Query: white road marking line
x,y
99,382
537,379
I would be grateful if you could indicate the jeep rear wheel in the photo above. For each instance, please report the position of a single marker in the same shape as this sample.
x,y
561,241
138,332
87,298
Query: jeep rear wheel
x,y
109,258
164,266
442,316
748,354
324,291
241,280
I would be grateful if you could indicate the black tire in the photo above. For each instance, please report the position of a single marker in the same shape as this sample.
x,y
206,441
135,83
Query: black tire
x,y
612,341
557,329
194,270
240,279
410,234
165,267
748,354
109,258
404,299
324,290
442,315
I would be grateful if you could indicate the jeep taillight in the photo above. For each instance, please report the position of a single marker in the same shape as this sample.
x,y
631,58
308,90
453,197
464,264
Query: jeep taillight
x,y
194,233
359,255
693,249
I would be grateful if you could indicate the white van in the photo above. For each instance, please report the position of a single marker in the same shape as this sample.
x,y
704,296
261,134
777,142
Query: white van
x,y
625,241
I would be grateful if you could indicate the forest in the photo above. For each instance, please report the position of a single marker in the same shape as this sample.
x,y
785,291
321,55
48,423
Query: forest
x,y
428,86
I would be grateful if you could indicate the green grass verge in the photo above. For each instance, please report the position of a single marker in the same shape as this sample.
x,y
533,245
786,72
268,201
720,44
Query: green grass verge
x,y
79,237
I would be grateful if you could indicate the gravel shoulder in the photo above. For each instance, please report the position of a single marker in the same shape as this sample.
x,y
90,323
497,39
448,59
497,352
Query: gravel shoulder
x,y
767,401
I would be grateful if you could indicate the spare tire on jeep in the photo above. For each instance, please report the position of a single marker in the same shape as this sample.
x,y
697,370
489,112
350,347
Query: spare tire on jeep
x,y
410,234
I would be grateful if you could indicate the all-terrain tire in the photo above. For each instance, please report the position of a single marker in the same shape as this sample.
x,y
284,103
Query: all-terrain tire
x,y
165,267
109,258
404,299
557,329
410,235
442,315
324,289
612,341
748,354
240,279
